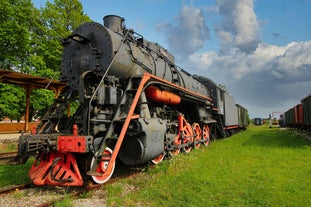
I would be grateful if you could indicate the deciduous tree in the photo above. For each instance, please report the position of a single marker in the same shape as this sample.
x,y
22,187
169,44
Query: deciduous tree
x,y
30,42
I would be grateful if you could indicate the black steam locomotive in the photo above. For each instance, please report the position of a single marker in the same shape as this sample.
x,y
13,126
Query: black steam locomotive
x,y
125,98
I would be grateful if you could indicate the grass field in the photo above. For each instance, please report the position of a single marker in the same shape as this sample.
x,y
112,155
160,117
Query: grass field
x,y
258,167
14,174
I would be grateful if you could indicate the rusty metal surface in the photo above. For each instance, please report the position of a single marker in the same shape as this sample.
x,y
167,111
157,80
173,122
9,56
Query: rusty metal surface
x,y
10,189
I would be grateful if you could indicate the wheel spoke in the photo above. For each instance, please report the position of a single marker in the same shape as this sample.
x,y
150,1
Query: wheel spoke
x,y
206,135
197,132
188,133
177,142
103,167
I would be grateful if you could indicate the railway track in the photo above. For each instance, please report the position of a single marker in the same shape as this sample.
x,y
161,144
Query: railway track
x,y
92,187
11,189
6,156
22,191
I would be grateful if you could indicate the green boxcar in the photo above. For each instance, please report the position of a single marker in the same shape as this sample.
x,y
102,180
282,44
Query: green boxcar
x,y
289,118
306,105
242,117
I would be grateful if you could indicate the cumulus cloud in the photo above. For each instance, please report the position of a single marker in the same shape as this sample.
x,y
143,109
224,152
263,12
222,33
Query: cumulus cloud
x,y
270,77
187,33
262,77
239,26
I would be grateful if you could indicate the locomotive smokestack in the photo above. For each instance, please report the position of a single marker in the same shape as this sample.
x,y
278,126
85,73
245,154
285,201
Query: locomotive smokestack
x,y
114,23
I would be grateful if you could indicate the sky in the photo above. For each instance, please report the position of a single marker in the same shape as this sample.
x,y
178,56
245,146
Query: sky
x,y
259,49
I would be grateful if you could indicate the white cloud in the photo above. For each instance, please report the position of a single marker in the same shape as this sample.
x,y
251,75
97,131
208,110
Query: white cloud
x,y
239,26
262,77
187,34
269,77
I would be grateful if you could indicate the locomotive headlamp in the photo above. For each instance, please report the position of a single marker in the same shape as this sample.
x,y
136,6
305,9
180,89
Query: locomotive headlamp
x,y
79,38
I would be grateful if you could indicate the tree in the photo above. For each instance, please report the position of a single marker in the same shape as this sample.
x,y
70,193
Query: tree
x,y
30,43
16,23
41,100
12,101
57,21
60,19
16,17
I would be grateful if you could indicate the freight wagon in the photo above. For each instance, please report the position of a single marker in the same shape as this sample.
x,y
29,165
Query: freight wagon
x,y
299,117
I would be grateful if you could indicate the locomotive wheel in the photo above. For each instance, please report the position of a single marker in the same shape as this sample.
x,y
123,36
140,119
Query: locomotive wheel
x,y
188,133
158,159
177,142
187,149
102,167
197,132
205,136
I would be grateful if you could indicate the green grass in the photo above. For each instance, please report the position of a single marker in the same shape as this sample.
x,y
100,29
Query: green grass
x,y
258,167
66,202
15,174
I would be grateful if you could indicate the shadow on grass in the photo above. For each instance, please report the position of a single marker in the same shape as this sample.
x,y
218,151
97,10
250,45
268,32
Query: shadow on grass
x,y
277,138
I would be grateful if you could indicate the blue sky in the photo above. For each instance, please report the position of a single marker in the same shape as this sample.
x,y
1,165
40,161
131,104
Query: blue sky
x,y
259,49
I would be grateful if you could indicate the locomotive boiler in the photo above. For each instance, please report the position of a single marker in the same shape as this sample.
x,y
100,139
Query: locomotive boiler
x,y
124,98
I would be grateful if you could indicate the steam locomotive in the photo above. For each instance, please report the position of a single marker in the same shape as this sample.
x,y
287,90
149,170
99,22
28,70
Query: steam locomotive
x,y
124,98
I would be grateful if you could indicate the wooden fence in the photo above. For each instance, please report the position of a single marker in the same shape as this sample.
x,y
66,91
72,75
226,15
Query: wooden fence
x,y
17,127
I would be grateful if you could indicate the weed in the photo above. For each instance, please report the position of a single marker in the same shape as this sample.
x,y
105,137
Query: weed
x,y
85,195
18,194
66,202
8,147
